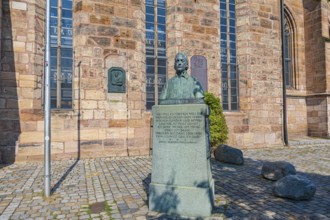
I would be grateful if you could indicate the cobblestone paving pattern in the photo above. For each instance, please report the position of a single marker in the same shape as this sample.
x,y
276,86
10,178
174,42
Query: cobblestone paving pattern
x,y
122,183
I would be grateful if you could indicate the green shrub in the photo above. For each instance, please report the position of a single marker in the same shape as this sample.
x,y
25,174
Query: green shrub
x,y
218,125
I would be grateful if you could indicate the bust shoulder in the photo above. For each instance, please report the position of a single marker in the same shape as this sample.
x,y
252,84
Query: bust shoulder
x,y
196,81
173,78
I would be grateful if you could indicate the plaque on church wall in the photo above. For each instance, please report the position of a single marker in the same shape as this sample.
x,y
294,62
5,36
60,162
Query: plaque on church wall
x,y
199,70
116,80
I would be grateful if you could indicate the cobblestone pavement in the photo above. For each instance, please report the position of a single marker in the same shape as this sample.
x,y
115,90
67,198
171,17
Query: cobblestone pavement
x,y
116,188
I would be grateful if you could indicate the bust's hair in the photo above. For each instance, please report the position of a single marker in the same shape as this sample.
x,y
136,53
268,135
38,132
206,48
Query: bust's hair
x,y
184,56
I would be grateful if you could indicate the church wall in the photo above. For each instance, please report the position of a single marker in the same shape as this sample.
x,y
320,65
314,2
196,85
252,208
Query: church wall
x,y
317,66
296,11
296,96
105,35
112,34
259,59
21,71
317,116
193,27
315,52
297,117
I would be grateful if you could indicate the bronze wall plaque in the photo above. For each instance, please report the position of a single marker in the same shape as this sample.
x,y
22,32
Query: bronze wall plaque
x,y
116,80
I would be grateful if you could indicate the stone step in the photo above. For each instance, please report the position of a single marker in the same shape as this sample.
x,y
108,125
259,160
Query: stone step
x,y
304,142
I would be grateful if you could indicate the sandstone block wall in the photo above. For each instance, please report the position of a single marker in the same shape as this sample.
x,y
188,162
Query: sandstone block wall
x,y
259,59
317,66
112,34
21,70
106,34
317,116
296,96
193,27
297,117
315,51
311,29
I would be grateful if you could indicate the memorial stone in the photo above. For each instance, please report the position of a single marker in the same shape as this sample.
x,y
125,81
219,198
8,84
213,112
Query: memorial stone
x,y
181,179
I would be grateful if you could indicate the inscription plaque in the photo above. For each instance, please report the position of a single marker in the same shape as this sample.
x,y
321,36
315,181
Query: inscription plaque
x,y
116,80
179,127
199,70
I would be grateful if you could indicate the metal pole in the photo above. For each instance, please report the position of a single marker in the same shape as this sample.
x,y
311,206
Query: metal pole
x,y
285,128
47,104
156,51
59,49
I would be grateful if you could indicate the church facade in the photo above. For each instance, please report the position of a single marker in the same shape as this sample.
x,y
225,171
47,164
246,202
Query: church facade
x,y
114,57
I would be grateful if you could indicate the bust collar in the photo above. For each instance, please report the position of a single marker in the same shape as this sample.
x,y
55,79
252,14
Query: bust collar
x,y
184,74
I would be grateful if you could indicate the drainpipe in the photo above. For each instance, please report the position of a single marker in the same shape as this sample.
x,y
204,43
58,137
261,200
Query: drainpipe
x,y
285,128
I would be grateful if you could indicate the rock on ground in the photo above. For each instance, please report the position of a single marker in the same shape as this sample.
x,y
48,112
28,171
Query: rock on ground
x,y
295,187
277,170
227,154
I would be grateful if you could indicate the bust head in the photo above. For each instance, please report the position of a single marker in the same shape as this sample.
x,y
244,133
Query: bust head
x,y
180,63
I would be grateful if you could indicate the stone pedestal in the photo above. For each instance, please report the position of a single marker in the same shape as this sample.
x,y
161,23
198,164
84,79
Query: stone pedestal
x,y
181,180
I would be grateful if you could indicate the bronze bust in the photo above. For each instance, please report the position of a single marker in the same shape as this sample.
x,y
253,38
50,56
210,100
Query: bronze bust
x,y
182,88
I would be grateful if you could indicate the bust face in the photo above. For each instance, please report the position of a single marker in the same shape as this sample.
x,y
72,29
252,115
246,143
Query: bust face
x,y
180,64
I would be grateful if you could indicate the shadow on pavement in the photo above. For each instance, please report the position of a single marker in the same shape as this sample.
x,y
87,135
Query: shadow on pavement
x,y
248,195
60,181
242,193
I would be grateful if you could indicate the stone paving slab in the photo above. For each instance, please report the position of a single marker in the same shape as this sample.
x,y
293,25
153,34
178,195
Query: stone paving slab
x,y
121,184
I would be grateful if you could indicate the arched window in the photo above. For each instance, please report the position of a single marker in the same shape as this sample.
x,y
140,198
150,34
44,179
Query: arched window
x,y
289,50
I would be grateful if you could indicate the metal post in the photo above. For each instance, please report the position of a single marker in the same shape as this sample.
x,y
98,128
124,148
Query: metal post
x,y
156,51
47,104
59,49
285,128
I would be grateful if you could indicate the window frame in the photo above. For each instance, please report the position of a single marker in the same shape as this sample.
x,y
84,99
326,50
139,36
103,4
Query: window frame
x,y
66,44
156,57
290,52
228,57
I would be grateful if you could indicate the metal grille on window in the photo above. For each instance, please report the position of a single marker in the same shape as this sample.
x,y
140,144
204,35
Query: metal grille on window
x,y
229,70
155,53
61,54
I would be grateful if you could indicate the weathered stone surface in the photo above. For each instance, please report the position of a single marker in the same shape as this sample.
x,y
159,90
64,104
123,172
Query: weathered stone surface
x,y
124,22
85,29
107,31
277,170
181,184
102,9
294,187
126,44
227,154
99,19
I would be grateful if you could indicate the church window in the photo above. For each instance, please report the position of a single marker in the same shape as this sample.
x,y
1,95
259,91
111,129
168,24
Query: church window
x,y
289,67
61,54
229,70
155,50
